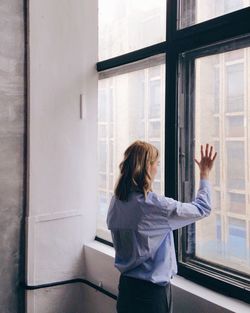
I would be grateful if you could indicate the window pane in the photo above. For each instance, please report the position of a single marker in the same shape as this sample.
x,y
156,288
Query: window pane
x,y
128,25
102,156
236,243
102,130
217,173
235,165
136,115
102,205
154,129
236,203
235,87
155,98
216,200
218,237
158,185
102,181
197,11
234,126
222,238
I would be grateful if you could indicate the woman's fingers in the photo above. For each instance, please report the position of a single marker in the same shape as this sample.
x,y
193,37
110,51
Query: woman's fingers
x,y
197,162
214,156
210,152
207,156
206,150
202,153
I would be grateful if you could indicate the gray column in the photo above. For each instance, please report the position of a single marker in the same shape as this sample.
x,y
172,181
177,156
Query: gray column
x,y
12,104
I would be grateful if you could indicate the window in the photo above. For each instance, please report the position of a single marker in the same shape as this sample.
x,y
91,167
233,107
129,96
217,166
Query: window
x,y
127,25
176,73
135,109
221,239
197,11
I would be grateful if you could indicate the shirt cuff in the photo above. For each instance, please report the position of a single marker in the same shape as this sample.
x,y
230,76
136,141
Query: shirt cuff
x,y
205,183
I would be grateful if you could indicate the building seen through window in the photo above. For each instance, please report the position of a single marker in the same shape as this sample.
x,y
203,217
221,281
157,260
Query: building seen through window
x,y
223,118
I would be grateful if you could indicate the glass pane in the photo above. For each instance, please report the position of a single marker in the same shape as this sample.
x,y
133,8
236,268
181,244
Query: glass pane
x,y
157,186
133,107
128,25
235,126
236,203
236,243
154,129
155,99
216,200
111,182
102,156
218,235
217,173
235,87
235,165
222,238
102,181
197,11
102,130
111,156
216,125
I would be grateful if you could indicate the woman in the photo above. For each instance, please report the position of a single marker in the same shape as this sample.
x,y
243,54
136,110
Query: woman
x,y
142,224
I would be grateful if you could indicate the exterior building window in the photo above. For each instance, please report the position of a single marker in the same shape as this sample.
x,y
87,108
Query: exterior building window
x,y
235,165
236,249
235,87
236,203
235,126
219,247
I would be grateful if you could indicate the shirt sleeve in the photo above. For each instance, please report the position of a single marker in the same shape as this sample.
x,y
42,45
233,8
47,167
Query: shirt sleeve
x,y
180,214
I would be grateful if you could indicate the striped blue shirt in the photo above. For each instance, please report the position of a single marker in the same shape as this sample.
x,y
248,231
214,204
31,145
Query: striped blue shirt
x,y
142,231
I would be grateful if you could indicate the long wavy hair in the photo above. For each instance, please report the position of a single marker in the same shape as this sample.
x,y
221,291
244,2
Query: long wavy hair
x,y
134,169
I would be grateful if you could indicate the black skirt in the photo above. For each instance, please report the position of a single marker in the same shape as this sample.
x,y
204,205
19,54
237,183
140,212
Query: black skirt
x,y
141,296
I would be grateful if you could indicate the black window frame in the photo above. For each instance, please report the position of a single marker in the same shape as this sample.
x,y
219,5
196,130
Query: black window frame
x,y
179,42
220,278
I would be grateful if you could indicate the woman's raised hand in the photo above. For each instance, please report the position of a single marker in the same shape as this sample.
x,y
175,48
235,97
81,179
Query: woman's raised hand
x,y
206,162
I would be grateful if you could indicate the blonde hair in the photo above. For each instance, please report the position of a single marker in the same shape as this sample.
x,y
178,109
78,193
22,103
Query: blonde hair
x,y
134,174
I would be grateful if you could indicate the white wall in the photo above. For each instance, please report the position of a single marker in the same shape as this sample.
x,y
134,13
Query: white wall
x,y
58,299
62,147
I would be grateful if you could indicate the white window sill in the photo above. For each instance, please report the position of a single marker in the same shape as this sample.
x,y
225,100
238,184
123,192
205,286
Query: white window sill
x,y
100,270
